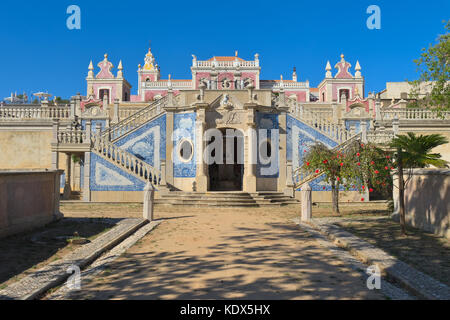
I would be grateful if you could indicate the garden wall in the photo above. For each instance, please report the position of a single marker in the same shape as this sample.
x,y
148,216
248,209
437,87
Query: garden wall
x,y
28,199
427,200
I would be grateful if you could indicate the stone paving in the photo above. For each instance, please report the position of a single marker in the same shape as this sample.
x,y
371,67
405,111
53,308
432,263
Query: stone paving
x,y
38,282
413,280
230,254
102,263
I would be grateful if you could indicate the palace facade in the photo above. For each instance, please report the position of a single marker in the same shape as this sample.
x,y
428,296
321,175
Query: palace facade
x,y
110,142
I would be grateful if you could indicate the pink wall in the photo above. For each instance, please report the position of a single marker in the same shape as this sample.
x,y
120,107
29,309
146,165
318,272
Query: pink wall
x,y
224,75
336,87
301,95
200,75
111,86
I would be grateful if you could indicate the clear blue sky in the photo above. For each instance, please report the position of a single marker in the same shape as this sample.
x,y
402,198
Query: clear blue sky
x,y
39,53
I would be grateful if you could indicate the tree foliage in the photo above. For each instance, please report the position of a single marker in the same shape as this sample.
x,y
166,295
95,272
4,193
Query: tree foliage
x,y
414,151
363,167
434,70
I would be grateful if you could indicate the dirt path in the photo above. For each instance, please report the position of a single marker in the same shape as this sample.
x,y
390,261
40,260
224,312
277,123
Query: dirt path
x,y
227,254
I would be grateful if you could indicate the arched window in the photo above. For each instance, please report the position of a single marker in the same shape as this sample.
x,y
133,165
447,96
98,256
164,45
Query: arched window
x,y
344,92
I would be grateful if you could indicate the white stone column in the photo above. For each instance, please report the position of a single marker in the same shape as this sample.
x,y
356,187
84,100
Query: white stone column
x,y
55,154
87,165
363,125
378,110
115,117
202,181
87,177
67,189
395,125
289,190
306,200
250,163
149,196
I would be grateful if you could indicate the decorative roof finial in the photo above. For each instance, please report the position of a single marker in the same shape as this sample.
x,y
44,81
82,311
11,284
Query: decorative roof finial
x,y
236,53
328,70
91,68
119,70
342,57
294,75
358,70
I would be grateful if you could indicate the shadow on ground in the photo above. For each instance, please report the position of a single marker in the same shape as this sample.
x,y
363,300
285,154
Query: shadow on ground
x,y
36,248
265,261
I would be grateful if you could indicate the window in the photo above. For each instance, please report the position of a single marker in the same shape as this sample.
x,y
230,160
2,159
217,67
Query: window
x,y
344,92
102,93
265,152
185,150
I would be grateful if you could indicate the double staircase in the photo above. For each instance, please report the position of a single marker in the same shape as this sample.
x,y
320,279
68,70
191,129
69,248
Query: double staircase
x,y
225,199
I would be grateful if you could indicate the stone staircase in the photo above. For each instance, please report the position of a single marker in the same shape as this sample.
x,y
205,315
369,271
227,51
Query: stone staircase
x,y
225,199
136,120
125,160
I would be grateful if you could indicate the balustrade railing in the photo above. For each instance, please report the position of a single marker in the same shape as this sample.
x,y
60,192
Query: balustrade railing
x,y
125,160
71,136
297,175
414,114
137,119
337,132
19,113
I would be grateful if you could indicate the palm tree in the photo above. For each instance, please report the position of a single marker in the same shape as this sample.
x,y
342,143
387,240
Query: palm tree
x,y
415,152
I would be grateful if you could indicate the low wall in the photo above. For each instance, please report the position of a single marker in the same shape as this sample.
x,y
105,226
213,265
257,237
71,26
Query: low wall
x,y
28,199
427,200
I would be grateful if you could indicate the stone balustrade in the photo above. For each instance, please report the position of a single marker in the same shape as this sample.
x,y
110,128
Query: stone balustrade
x,y
337,132
414,114
136,119
22,112
380,137
71,136
165,84
300,178
234,63
128,112
125,160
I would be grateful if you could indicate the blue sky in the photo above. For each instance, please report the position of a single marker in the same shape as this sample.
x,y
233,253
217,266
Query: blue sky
x,y
38,52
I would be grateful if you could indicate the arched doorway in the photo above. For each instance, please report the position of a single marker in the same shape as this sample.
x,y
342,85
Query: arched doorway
x,y
228,175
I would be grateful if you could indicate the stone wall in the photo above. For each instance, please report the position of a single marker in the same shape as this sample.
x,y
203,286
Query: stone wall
x,y
27,148
427,200
28,199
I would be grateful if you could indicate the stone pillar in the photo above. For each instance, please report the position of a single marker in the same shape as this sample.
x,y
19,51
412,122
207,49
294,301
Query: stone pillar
x,y
67,189
282,98
289,189
55,154
306,201
78,105
250,163
282,159
57,214
335,109
363,125
378,110
87,177
115,117
202,180
169,147
395,125
72,108
149,196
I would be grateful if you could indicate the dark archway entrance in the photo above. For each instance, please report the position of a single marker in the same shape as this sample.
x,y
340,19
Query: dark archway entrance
x,y
228,175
